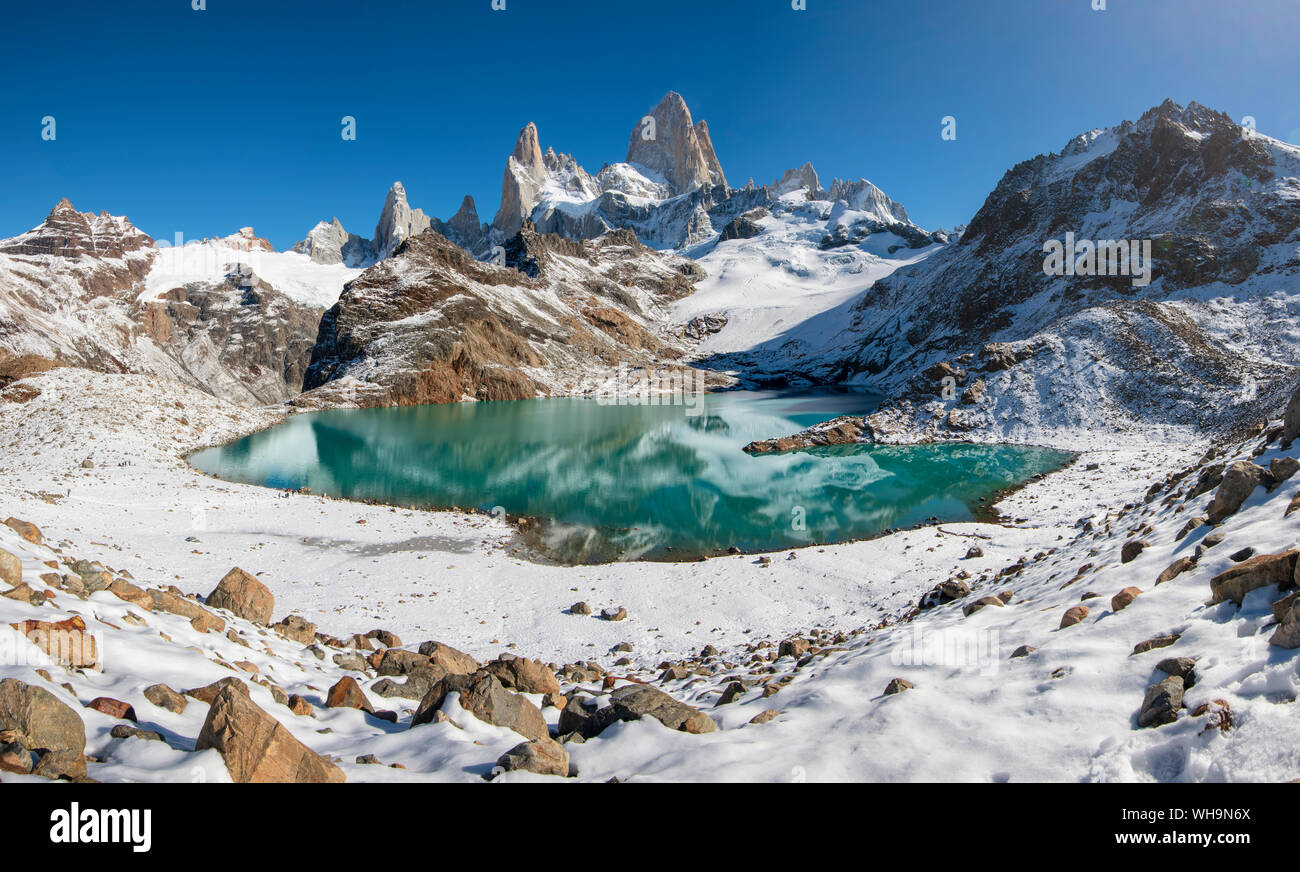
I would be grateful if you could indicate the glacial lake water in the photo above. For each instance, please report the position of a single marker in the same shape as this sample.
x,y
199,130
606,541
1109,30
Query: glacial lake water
x,y
615,482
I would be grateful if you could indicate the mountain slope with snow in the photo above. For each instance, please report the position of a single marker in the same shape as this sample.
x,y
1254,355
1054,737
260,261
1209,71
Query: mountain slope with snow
x,y
979,341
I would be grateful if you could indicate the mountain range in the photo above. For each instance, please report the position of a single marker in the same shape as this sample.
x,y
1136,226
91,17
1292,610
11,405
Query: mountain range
x,y
658,261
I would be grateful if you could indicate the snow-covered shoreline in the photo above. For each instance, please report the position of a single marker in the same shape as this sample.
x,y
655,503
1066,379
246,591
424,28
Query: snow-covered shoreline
x,y
1066,711
336,561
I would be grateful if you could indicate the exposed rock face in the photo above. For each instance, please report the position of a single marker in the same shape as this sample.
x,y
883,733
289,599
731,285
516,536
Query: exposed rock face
x,y
433,325
1291,422
241,338
70,293
329,243
671,191
257,748
524,176
802,179
397,222
1217,203
674,147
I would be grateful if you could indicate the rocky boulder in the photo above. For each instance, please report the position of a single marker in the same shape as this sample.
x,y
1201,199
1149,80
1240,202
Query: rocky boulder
x,y
633,702
11,568
1162,702
543,756
1268,569
296,629
1239,482
243,595
483,695
35,720
259,749
523,675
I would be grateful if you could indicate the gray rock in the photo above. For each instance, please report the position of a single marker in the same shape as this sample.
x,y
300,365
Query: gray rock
x,y
483,695
1162,702
542,756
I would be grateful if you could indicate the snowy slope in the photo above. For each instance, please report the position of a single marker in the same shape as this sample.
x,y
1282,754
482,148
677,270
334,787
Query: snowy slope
x,y
293,274
782,294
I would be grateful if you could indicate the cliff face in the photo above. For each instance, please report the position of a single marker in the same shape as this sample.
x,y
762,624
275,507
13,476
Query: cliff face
x,y
432,324
668,143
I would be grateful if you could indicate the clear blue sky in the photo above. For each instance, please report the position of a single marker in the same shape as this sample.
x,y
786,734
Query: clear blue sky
x,y
201,122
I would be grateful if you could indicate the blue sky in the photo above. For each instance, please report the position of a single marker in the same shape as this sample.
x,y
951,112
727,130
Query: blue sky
x,y
204,121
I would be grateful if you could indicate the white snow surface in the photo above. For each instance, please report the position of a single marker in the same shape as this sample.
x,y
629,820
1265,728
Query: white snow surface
x,y
293,274
779,288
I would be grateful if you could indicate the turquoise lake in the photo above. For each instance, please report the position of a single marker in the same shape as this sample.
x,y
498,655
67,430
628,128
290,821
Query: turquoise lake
x,y
616,482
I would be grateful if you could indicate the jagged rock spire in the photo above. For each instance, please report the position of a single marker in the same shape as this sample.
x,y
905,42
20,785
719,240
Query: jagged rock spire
x,y
668,142
525,173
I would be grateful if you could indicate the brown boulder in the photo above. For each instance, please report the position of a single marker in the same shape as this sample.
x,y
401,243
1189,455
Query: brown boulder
x,y
542,756
11,568
1073,615
67,643
165,698
205,621
1287,634
114,708
524,675
1161,703
1124,598
210,692
27,530
1156,642
1132,549
1263,571
257,748
241,594
1175,569
128,592
1239,482
166,601
45,726
898,685
296,629
1291,420
972,607
299,706
1281,469
448,659
385,638
347,694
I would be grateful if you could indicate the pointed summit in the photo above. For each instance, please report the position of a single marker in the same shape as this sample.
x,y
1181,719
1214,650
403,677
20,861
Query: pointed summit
x,y
524,175
669,143
397,222
63,205
528,151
